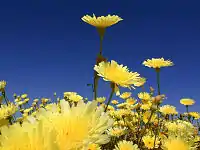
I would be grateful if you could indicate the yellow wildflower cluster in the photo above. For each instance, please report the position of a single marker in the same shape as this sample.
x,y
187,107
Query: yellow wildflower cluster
x,y
124,123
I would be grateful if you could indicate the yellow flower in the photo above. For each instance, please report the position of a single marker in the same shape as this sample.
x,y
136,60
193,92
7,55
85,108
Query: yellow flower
x,y
101,22
36,100
117,131
6,111
187,101
75,97
121,105
146,117
176,144
130,101
168,110
26,100
101,99
140,82
24,96
196,115
118,74
75,127
2,84
93,146
149,141
144,96
67,94
157,63
114,102
125,95
126,145
111,108
146,106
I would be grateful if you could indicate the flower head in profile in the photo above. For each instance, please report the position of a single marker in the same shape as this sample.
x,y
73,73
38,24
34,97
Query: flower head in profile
x,y
75,98
157,63
187,101
144,96
140,82
125,95
114,102
118,74
168,110
117,131
101,99
126,145
196,115
102,21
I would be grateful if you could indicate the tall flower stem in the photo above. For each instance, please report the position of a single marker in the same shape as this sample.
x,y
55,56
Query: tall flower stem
x,y
187,110
96,78
5,98
101,32
158,79
141,135
111,95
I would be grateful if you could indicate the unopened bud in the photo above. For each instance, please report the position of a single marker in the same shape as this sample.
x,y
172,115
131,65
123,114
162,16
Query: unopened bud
x,y
151,89
158,98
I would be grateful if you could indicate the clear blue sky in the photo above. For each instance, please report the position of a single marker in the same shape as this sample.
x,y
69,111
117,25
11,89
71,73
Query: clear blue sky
x,y
46,48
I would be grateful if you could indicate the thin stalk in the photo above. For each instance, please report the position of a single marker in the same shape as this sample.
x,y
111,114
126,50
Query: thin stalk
x,y
145,127
111,95
158,79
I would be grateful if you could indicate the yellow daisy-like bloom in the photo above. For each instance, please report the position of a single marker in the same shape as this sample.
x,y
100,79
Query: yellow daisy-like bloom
x,y
168,110
114,102
118,74
157,63
60,131
2,84
125,95
146,106
140,82
122,105
146,117
102,21
36,100
101,99
93,146
117,131
67,94
75,97
149,141
144,96
6,111
176,144
111,108
196,115
130,101
126,145
187,101
24,96
26,100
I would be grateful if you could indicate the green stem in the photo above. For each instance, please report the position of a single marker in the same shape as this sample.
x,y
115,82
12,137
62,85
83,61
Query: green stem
x,y
145,127
111,95
101,32
5,98
95,85
158,79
